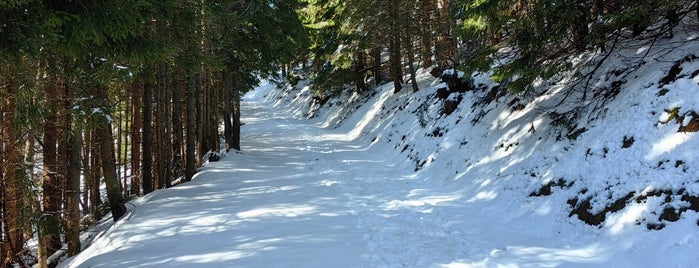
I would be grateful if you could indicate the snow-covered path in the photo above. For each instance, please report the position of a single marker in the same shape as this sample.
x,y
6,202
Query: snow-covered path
x,y
304,195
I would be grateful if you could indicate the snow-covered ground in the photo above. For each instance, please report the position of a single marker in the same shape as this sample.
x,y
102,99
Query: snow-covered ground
x,y
385,180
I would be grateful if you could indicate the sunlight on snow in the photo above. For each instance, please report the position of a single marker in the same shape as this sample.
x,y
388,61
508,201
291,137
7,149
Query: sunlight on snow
x,y
282,210
257,190
518,256
215,257
367,118
634,212
591,253
425,201
667,144
242,250
485,196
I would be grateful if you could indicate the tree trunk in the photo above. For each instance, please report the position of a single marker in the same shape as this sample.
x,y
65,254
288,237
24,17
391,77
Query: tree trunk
x,y
106,147
124,131
409,49
190,152
359,72
147,145
73,196
51,184
228,112
597,29
137,123
160,156
95,177
177,128
376,55
445,47
207,114
11,175
212,98
89,170
426,10
394,48
580,26
199,135
86,169
72,152
236,115
117,152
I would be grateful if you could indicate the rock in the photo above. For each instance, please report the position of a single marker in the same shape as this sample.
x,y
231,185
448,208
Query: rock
x,y
442,93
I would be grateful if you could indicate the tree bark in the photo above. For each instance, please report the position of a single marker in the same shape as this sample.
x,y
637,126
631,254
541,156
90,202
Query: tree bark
x,y
359,72
117,152
91,174
12,172
409,49
72,182
51,184
394,47
160,157
199,135
580,26
445,48
87,170
95,177
190,158
147,145
228,111
376,55
427,8
137,119
177,127
106,147
236,115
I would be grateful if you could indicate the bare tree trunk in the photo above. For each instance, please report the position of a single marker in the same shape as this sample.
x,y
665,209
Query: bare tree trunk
x,y
359,71
160,157
200,108
213,116
147,159
409,49
228,111
445,47
190,153
12,175
580,26
51,184
394,47
73,195
119,141
376,56
95,177
177,128
124,148
87,171
427,8
137,119
106,147
72,175
236,115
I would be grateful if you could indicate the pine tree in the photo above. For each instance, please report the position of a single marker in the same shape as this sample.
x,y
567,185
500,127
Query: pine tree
x,y
12,173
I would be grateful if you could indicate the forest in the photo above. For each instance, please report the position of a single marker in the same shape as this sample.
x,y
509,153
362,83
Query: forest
x,y
106,101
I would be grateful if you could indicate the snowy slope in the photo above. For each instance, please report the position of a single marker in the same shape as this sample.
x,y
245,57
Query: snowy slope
x,y
386,180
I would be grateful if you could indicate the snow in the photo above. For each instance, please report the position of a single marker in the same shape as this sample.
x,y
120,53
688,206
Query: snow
x,y
385,180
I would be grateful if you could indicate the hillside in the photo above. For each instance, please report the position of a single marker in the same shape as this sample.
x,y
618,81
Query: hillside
x,y
388,180
626,144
